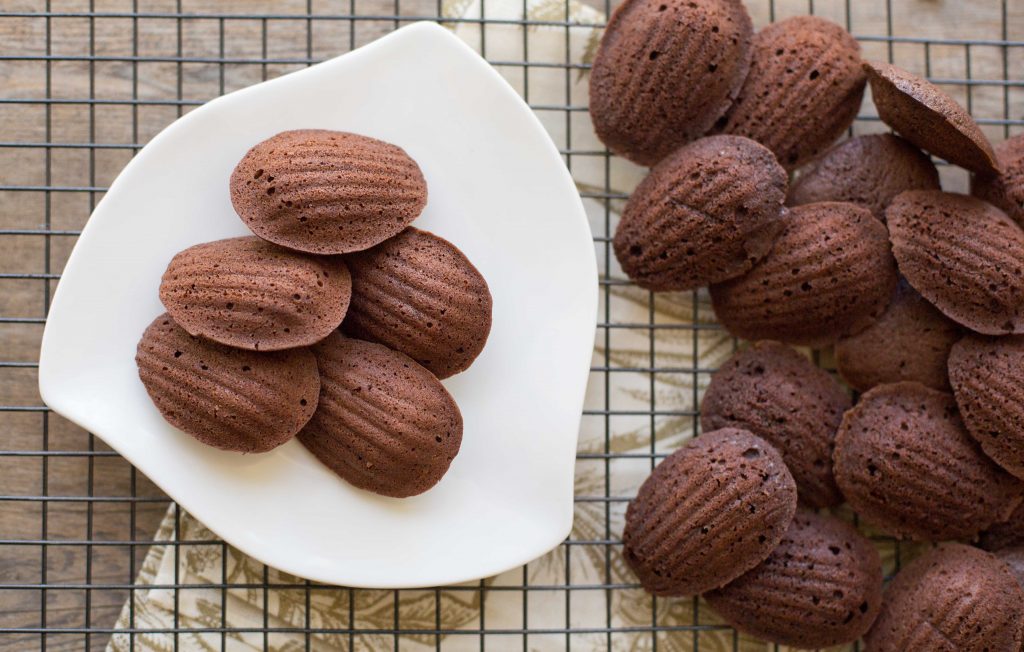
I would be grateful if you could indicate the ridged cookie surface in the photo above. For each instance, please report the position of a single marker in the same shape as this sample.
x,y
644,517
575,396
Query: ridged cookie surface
x,y
868,171
910,341
327,192
804,88
225,397
705,214
963,255
1006,189
953,599
822,586
251,294
665,71
906,464
926,116
385,423
829,274
987,374
780,396
708,513
418,294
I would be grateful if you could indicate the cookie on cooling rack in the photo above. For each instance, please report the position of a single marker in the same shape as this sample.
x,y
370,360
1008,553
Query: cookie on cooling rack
x,y
922,113
705,214
251,294
829,274
418,293
665,71
708,513
907,465
1006,189
225,397
804,88
327,192
987,374
910,341
821,586
779,395
385,424
963,255
868,171
955,598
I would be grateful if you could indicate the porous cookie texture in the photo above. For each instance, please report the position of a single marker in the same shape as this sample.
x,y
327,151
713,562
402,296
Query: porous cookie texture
x,y
1014,560
821,586
780,396
705,214
327,192
1008,533
251,294
385,423
665,71
910,341
829,274
708,513
906,464
868,171
987,374
963,255
952,599
225,397
418,294
1006,189
804,88
922,113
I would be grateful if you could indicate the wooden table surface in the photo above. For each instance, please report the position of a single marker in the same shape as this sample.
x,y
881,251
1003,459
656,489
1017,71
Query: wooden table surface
x,y
119,127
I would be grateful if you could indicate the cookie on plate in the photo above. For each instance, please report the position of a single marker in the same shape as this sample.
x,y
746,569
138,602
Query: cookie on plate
x,y
225,397
780,396
708,513
705,214
385,424
327,192
418,293
821,586
665,71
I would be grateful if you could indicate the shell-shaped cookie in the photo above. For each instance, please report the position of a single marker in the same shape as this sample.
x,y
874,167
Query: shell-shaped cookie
x,y
987,374
705,214
804,88
327,192
926,116
665,71
708,513
385,423
780,396
952,599
251,294
910,341
1014,560
418,294
822,586
829,274
226,397
1006,189
868,171
906,464
963,255
1009,533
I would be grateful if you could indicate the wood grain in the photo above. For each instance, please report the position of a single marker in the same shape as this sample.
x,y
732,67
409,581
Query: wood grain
x,y
168,89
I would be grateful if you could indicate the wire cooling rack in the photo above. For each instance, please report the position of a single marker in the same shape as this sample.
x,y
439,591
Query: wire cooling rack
x,y
85,84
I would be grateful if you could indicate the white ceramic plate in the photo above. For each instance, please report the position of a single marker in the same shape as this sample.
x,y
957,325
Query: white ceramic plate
x,y
498,189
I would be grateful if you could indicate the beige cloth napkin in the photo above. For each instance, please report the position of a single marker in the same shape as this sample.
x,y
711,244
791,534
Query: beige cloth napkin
x,y
672,395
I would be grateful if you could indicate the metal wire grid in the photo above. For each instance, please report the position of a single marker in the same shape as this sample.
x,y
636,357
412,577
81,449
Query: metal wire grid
x,y
42,445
